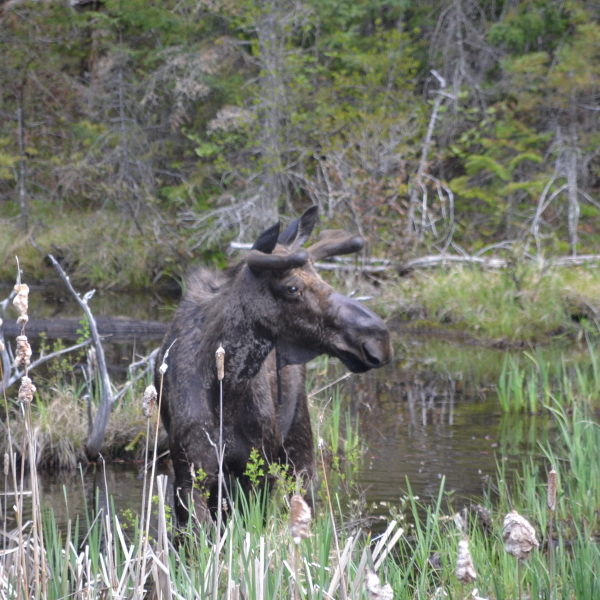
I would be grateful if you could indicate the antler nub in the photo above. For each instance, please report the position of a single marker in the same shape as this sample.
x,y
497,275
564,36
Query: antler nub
x,y
333,242
276,262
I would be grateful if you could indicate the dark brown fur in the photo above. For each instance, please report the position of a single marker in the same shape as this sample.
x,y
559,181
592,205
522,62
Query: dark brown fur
x,y
250,310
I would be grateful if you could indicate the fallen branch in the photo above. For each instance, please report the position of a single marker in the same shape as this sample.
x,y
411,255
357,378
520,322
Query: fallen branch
x,y
96,439
149,362
41,360
424,262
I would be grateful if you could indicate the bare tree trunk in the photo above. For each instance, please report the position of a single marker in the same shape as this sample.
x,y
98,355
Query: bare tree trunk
x,y
96,439
417,183
22,171
272,40
573,202
127,177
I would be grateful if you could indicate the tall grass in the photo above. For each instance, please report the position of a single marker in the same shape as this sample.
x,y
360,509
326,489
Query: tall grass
x,y
493,305
254,557
538,382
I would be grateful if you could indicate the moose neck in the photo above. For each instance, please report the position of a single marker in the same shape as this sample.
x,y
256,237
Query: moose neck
x,y
246,343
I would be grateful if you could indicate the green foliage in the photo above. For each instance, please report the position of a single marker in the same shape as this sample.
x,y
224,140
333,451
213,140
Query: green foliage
x,y
254,468
122,104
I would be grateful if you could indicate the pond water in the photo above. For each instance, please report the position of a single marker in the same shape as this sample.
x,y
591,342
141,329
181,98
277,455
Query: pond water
x,y
432,414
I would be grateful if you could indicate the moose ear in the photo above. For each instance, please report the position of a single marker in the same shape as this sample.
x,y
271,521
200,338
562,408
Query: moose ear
x,y
267,240
298,231
334,242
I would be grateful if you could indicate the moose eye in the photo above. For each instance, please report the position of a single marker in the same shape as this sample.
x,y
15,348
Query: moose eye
x,y
292,290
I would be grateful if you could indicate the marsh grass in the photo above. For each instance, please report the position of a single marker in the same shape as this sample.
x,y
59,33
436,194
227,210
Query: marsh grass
x,y
253,556
97,557
60,423
534,382
95,248
491,306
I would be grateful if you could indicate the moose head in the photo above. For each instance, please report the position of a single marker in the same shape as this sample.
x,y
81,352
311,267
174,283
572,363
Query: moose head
x,y
301,314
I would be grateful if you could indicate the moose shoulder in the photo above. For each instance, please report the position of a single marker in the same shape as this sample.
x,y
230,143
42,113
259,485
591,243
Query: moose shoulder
x,y
272,313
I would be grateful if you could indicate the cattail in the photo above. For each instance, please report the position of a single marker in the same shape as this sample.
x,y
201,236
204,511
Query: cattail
x,y
21,302
220,357
23,352
465,570
26,390
300,517
6,464
375,591
485,518
148,399
518,535
1,342
552,489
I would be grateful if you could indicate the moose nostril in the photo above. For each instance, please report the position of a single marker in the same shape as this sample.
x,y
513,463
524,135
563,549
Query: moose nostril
x,y
373,360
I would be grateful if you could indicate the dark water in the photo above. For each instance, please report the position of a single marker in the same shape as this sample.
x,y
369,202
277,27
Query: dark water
x,y
432,414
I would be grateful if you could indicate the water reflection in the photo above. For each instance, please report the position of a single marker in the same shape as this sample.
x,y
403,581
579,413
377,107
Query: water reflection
x,y
430,415
425,423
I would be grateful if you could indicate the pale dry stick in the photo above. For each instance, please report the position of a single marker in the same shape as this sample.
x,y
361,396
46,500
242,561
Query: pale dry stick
x,y
345,376
164,582
335,536
95,440
26,391
5,516
300,518
551,507
148,400
162,369
220,360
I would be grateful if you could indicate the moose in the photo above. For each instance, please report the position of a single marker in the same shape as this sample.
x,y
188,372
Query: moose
x,y
272,313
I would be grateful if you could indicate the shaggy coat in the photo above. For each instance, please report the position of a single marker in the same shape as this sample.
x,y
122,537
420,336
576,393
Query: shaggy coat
x,y
271,313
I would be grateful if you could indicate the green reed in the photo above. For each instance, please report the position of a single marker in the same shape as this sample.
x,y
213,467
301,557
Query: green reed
x,y
533,381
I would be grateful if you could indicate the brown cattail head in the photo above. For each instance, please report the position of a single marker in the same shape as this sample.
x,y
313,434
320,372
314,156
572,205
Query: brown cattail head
x,y
375,590
23,353
465,570
26,390
220,357
552,489
21,302
518,535
148,399
300,517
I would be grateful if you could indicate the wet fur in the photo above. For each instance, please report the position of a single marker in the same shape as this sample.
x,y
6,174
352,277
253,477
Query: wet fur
x,y
253,418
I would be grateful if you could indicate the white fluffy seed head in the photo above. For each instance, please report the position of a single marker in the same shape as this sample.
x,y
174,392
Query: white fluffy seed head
x,y
23,352
26,390
465,570
148,399
375,590
21,302
220,358
518,535
300,518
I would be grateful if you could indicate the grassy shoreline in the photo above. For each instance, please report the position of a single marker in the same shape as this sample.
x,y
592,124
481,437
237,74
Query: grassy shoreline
x,y
522,303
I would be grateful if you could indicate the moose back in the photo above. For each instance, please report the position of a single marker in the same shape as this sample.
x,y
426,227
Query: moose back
x,y
272,313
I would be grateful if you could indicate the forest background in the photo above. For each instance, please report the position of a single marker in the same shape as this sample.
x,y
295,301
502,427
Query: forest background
x,y
139,137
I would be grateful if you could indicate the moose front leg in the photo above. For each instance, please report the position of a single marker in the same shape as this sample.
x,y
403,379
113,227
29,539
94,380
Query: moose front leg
x,y
196,477
297,449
